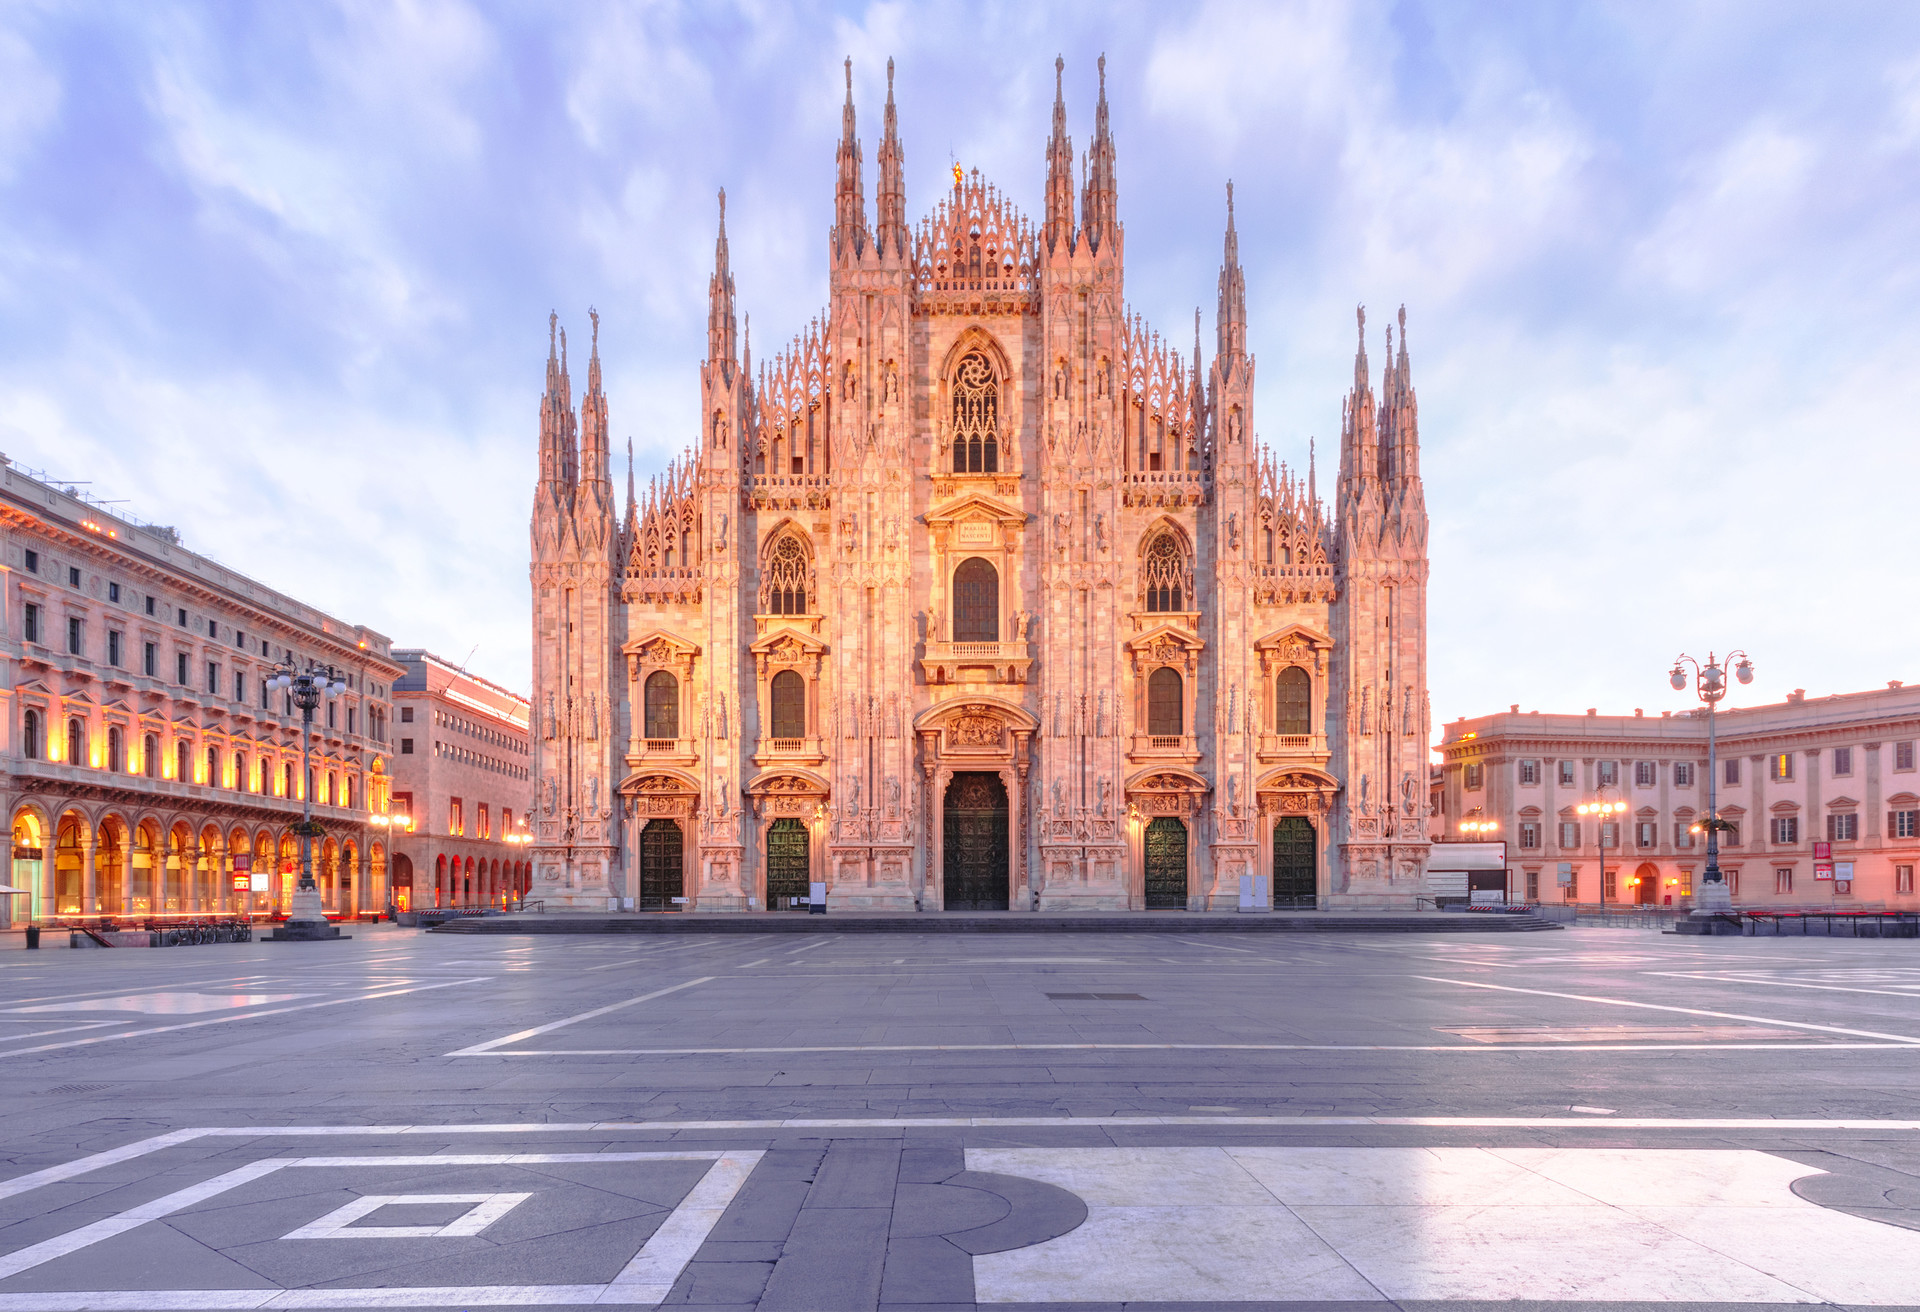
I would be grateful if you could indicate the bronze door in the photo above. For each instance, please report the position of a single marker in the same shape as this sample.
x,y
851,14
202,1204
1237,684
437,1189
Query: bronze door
x,y
975,836
787,869
1294,876
1166,865
660,845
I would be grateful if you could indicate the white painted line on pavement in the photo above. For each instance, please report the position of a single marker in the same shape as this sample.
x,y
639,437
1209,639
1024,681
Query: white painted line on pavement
x,y
1904,1039
1718,978
486,1049
227,1020
1198,1047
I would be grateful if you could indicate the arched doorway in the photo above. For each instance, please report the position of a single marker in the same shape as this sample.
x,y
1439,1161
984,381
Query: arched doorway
x,y
787,863
402,882
1295,880
974,824
1166,864
660,849
1646,884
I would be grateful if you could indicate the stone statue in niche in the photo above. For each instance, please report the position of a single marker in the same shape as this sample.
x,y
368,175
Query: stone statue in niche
x,y
1060,382
853,795
1100,379
849,533
1020,623
1100,530
1059,798
593,716
1406,792
1233,530
1105,793
1406,711
893,532
1366,710
1100,716
553,721
593,794
1233,424
932,617
1233,794
892,393
852,387
720,719
893,795
720,537
1366,806
553,795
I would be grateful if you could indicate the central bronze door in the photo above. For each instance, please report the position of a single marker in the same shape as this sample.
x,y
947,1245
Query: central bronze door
x,y
787,869
1166,883
660,844
975,835
1294,876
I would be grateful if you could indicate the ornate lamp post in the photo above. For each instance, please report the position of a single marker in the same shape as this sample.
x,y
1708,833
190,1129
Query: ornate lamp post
x,y
1600,809
307,919
1713,897
1476,827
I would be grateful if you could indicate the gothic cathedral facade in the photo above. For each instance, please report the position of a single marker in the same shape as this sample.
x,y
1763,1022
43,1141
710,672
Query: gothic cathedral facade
x,y
979,596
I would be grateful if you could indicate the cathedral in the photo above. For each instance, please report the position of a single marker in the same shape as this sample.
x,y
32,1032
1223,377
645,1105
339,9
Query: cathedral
x,y
979,596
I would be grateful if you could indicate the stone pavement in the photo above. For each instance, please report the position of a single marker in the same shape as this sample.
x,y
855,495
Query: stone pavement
x,y
1589,1119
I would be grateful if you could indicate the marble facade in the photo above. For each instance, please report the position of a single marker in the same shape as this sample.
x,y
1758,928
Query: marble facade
x,y
979,594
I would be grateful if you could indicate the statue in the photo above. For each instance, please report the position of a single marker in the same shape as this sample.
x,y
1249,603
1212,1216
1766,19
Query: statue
x,y
1100,716
553,721
1100,379
720,538
1233,530
1020,622
553,795
1105,791
593,794
853,795
1233,794
893,795
893,532
1366,807
933,624
1366,710
1100,530
1406,792
1059,798
893,383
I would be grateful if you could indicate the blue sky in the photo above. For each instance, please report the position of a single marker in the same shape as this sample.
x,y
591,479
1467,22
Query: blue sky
x,y
279,274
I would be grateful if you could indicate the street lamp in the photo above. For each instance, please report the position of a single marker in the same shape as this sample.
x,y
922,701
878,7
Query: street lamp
x,y
1475,826
1710,684
307,919
1600,809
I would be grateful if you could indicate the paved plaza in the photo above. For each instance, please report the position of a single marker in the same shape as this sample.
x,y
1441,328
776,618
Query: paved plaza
x,y
1594,1118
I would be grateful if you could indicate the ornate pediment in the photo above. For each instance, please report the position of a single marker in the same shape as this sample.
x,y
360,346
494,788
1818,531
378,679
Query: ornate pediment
x,y
659,647
787,782
975,522
1164,644
1295,644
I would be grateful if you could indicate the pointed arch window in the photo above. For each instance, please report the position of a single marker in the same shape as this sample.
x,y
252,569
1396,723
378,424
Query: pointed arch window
x,y
1166,575
976,416
786,577
788,694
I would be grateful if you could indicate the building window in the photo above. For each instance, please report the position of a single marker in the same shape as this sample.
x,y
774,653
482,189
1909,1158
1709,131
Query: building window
x,y
1529,772
486,821
456,816
149,605
346,785
350,717
1730,771
1842,761
1613,892
1903,879
1843,827
1606,773
788,693
76,742
1293,698
213,767
976,416
30,735
1529,834
240,639
1683,774
1646,834
1903,756
662,694
75,634
113,592
150,659
240,779
1786,829
1165,713
183,761
73,576
330,717
1730,836
1783,880
1166,578
1682,834
213,678
180,668
1903,824
1643,776
1476,776
1569,833
239,686
406,747
1533,885
181,617
1610,834
150,756
32,621
1780,765
116,751
976,602
785,577
406,715
33,562
286,780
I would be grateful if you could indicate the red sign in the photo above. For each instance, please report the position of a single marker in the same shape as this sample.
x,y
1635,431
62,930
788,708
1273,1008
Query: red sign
x,y
241,883
242,861
1823,869
1823,851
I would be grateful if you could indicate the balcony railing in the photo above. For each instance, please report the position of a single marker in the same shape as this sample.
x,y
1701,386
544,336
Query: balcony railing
x,y
787,744
1166,742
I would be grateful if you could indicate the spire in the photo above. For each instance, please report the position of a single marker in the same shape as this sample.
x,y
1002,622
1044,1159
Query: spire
x,y
595,456
1059,227
1359,445
1232,317
850,197
630,500
1198,400
1401,412
1098,205
890,202
720,321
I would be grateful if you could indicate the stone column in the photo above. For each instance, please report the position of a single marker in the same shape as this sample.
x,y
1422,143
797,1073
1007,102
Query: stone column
x,y
125,864
89,885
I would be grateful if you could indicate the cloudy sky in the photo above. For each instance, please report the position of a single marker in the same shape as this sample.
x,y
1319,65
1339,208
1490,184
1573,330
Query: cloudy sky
x,y
279,274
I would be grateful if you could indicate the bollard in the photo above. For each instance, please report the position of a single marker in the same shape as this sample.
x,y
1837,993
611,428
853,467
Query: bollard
x,y
33,937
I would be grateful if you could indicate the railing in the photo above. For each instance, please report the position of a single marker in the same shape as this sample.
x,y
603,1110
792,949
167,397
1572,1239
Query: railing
x,y
662,744
1163,742
1295,740
788,744
987,650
